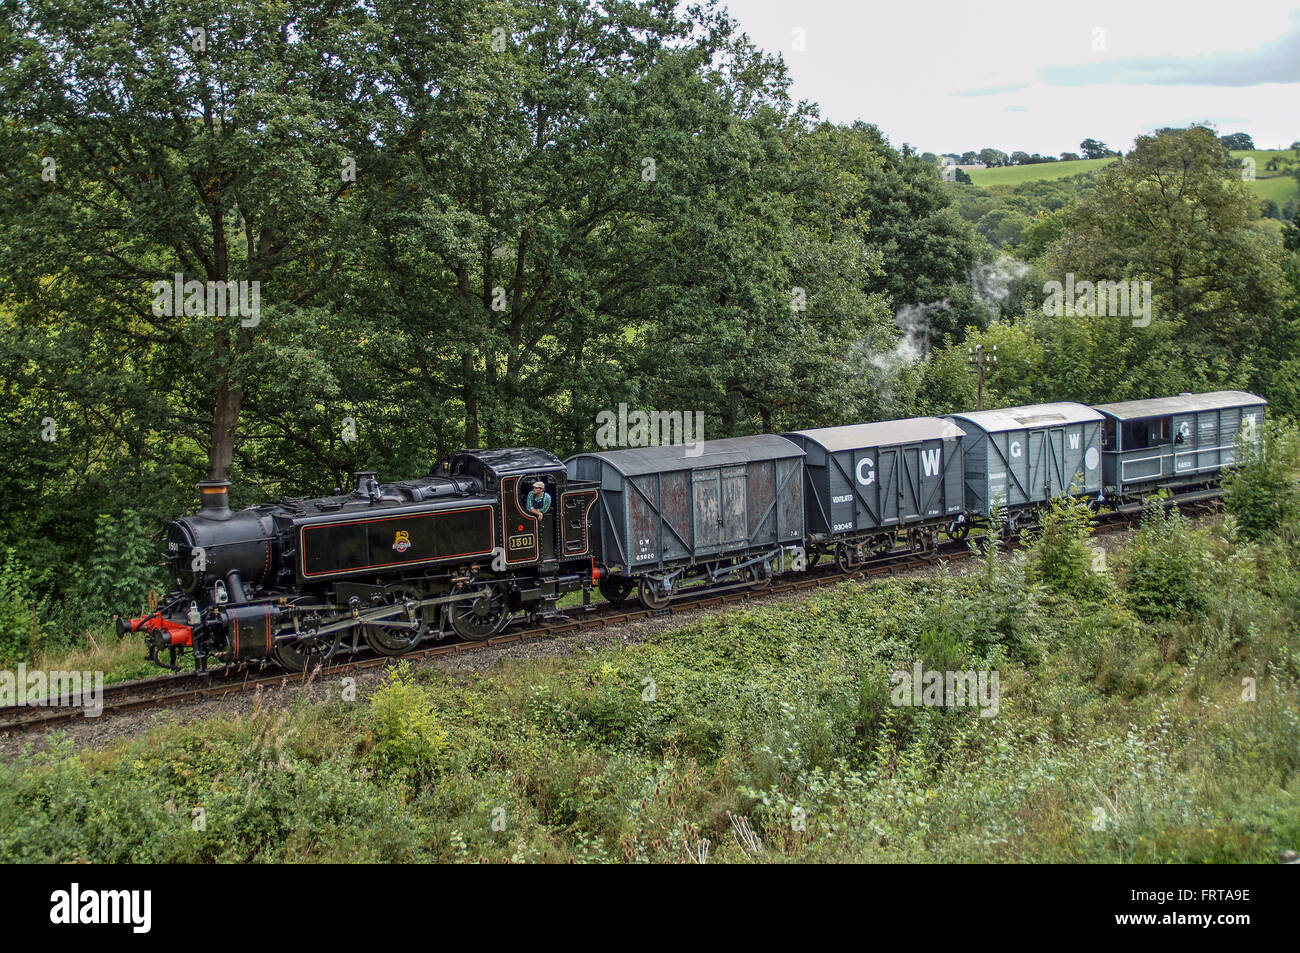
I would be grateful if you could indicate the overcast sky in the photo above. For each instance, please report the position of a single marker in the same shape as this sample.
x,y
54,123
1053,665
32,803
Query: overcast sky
x,y
1039,75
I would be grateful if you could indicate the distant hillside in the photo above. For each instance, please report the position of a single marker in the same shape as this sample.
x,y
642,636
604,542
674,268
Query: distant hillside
x,y
1279,186
1041,172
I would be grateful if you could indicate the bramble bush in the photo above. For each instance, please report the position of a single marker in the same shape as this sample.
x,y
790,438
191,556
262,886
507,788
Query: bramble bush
x,y
1061,556
1168,568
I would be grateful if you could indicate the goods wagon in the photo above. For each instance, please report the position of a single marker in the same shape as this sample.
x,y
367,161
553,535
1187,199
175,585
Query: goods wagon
x,y
714,511
864,483
1174,441
1019,457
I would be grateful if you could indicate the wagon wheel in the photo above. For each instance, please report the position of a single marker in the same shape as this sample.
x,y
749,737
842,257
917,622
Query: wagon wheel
x,y
652,594
759,577
308,651
845,558
391,640
958,529
481,617
615,589
920,540
1010,527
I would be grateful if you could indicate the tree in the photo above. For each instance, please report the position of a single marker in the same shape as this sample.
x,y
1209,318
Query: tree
x,y
1002,227
212,152
1172,212
993,158
905,213
1237,140
1069,157
1095,149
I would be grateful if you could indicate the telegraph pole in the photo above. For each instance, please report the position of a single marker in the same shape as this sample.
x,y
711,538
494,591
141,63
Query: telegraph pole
x,y
980,358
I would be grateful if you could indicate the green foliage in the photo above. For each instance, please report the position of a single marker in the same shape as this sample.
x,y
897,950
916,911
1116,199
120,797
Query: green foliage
x,y
1063,557
1263,491
123,565
1175,212
1168,568
21,612
408,738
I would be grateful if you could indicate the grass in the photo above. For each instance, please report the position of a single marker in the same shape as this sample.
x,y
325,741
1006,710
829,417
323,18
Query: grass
x,y
120,658
778,719
1043,171
1279,186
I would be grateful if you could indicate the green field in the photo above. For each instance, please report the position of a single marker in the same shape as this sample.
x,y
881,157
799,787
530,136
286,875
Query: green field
x,y
1043,171
1278,186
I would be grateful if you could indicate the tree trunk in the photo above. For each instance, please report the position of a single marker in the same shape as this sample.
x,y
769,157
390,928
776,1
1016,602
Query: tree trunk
x,y
225,421
471,402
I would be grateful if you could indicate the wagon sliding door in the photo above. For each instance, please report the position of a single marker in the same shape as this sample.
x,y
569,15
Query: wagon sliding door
x,y
735,520
721,518
706,492
890,495
910,485
1059,479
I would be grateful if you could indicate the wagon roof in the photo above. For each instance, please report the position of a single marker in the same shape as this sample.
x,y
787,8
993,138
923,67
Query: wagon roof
x,y
1182,404
1030,416
882,433
712,453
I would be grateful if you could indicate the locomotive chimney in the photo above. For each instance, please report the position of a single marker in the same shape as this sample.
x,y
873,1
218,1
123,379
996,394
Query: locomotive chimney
x,y
215,499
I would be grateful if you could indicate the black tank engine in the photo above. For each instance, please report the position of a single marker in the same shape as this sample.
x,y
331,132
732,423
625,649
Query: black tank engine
x,y
459,551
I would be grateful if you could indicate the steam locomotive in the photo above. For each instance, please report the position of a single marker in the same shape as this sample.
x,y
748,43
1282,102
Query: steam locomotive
x,y
388,564
476,543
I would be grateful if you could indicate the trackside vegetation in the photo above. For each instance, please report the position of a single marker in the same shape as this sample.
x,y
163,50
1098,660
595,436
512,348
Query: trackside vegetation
x,y
1148,711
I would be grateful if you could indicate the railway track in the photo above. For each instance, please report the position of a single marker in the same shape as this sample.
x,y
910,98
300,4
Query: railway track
x,y
171,690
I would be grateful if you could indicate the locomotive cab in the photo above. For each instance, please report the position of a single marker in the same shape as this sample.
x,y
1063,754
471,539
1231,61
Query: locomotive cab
x,y
510,475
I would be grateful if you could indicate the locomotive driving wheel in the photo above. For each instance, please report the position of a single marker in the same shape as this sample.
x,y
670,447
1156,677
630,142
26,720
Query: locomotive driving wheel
x,y
400,634
310,649
481,617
